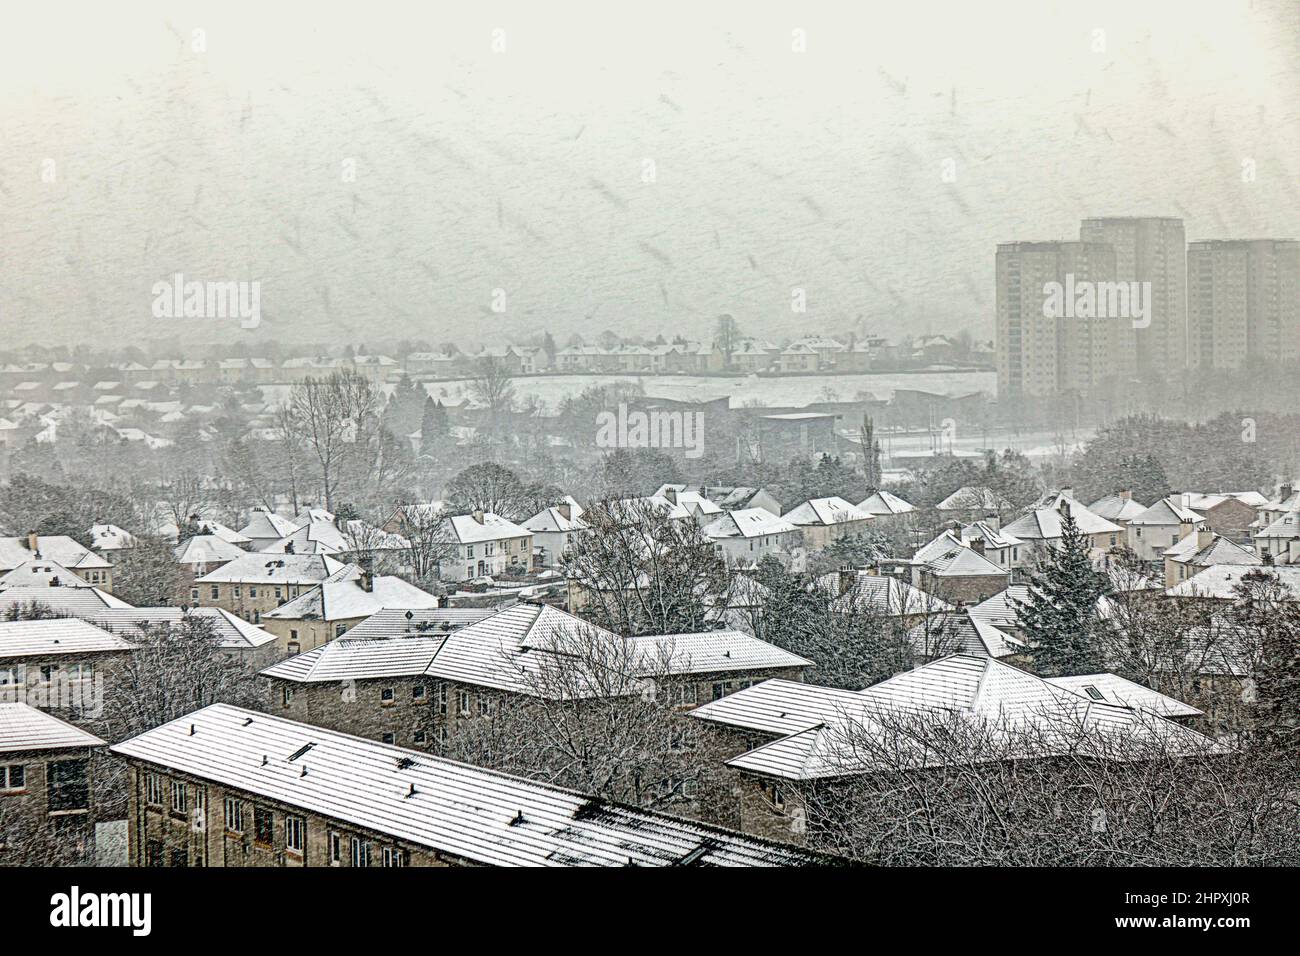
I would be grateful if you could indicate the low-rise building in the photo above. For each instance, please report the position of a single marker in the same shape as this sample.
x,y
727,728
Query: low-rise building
x,y
552,528
1161,527
1041,529
225,786
1202,549
748,535
485,544
823,520
327,611
253,584
86,564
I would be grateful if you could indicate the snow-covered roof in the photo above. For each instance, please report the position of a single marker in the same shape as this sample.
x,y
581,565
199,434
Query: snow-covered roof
x,y
230,630
347,599
219,530
748,523
704,652
824,511
52,547
109,537
61,600
467,529
1220,550
811,722
885,503
1287,526
41,574
1166,511
206,549
962,633
24,728
264,524
946,556
1114,689
1218,581
553,520
401,622
463,811
261,568
1117,508
1044,524
882,594
61,635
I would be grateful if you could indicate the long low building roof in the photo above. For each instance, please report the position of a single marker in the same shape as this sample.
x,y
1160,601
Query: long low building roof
x,y
482,816
24,728
56,636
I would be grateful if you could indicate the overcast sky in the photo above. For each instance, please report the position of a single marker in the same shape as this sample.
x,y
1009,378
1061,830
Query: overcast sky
x,y
523,170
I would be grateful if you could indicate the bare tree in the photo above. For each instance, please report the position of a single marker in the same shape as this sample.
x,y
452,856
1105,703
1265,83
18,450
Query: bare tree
x,y
332,418
493,387
943,789
638,570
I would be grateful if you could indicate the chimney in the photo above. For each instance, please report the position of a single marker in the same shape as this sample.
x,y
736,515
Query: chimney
x,y
1286,492
977,545
367,581
1063,506
1204,538
1125,494
993,520
478,515
671,495
33,542
847,577
564,510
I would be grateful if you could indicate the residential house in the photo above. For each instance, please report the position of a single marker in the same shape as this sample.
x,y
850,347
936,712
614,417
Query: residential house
x,y
198,556
265,528
108,540
973,503
963,633
862,591
1203,549
884,504
196,802
748,535
1162,526
552,528
1230,514
697,505
235,637
328,610
1041,528
1280,539
823,520
61,549
736,497
485,544
253,584
987,539
949,569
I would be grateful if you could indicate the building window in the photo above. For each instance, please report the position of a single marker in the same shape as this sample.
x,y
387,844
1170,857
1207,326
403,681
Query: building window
x,y
388,739
339,629
154,853
234,815
263,826
194,595
442,699
417,693
463,703
69,785
293,634
215,592
237,590
178,797
421,737
286,696
252,591
386,696
295,829
13,777
153,789
360,852
484,705
394,857
719,690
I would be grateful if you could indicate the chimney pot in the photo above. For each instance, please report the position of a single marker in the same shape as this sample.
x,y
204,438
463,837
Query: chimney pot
x,y
478,515
33,542
1125,494
1204,538
564,510
671,495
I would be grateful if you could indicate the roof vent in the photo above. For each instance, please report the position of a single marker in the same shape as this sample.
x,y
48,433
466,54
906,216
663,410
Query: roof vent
x,y
410,793
247,721
404,762
519,819
264,760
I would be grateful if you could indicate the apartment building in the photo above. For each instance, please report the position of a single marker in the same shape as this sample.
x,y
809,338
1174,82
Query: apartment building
x,y
253,584
225,786
1243,302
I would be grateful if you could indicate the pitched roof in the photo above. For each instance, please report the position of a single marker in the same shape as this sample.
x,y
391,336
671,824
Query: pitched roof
x,y
1002,698
480,815
61,635
109,537
206,549
51,547
467,530
882,594
346,599
41,574
1114,689
258,568
1220,550
265,524
1287,526
1218,581
885,503
946,556
824,511
1166,511
1044,524
401,622
748,523
61,600
347,659
553,520
962,633
24,728
1116,508
230,630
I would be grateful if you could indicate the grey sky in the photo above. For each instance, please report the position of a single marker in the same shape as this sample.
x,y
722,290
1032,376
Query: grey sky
x,y
523,170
